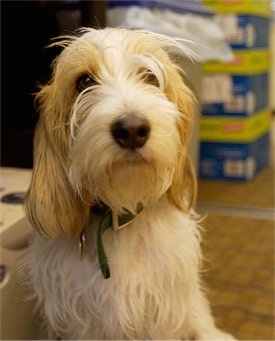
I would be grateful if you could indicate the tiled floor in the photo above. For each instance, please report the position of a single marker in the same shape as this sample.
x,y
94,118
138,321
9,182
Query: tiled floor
x,y
240,275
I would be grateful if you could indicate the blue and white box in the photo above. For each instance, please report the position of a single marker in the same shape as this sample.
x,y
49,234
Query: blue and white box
x,y
245,31
233,161
238,95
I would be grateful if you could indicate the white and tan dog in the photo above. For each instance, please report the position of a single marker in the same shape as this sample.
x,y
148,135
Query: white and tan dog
x,y
111,149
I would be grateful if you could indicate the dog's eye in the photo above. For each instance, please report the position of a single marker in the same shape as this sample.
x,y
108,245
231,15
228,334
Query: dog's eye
x,y
150,78
84,82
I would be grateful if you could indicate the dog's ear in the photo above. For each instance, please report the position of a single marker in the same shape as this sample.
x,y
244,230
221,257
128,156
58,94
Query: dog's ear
x,y
51,205
183,190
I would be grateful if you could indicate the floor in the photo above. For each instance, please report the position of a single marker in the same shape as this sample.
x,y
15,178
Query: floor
x,y
239,253
240,275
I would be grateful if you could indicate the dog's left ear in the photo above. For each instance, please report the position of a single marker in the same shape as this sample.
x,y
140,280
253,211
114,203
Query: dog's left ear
x,y
52,206
183,190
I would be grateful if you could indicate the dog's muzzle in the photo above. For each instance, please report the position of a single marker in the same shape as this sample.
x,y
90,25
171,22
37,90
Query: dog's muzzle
x,y
131,131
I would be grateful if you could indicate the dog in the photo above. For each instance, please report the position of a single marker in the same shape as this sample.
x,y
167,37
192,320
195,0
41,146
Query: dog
x,y
117,254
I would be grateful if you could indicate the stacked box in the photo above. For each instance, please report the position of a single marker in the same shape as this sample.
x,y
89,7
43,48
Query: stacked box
x,y
235,129
235,121
251,7
230,94
234,161
245,31
234,148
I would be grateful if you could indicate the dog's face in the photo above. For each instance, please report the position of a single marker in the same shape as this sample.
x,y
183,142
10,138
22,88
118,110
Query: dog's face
x,y
114,126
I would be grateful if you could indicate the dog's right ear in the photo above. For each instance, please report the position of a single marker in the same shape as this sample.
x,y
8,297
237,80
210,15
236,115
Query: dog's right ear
x,y
51,205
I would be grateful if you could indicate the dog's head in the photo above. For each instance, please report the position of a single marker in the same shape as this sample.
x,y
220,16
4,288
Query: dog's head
x,y
114,126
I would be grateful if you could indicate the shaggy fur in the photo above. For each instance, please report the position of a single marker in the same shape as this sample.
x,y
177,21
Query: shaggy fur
x,y
154,291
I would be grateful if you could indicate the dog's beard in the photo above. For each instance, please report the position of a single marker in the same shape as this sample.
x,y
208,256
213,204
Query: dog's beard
x,y
131,184
123,184
100,170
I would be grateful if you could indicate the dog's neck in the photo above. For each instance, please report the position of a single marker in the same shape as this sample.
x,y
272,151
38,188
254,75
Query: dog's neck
x,y
99,209
118,221
109,218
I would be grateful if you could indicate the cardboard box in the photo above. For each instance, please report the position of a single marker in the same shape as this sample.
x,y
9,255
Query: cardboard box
x,y
234,161
257,7
245,31
246,62
234,129
238,95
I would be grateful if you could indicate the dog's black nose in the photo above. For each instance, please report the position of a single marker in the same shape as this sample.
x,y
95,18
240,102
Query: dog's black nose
x,y
131,131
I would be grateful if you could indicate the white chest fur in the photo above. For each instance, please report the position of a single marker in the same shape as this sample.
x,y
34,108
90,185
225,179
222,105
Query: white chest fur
x,y
154,266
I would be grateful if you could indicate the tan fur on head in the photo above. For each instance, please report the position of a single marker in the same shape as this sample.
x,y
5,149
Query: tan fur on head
x,y
184,180
76,160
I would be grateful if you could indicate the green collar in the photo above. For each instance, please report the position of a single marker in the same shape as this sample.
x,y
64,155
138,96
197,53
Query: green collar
x,y
108,219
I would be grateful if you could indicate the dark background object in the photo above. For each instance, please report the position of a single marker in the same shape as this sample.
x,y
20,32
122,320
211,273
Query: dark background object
x,y
27,27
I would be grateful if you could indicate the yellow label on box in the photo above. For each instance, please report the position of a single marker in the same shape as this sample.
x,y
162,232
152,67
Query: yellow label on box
x,y
255,7
245,62
234,129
